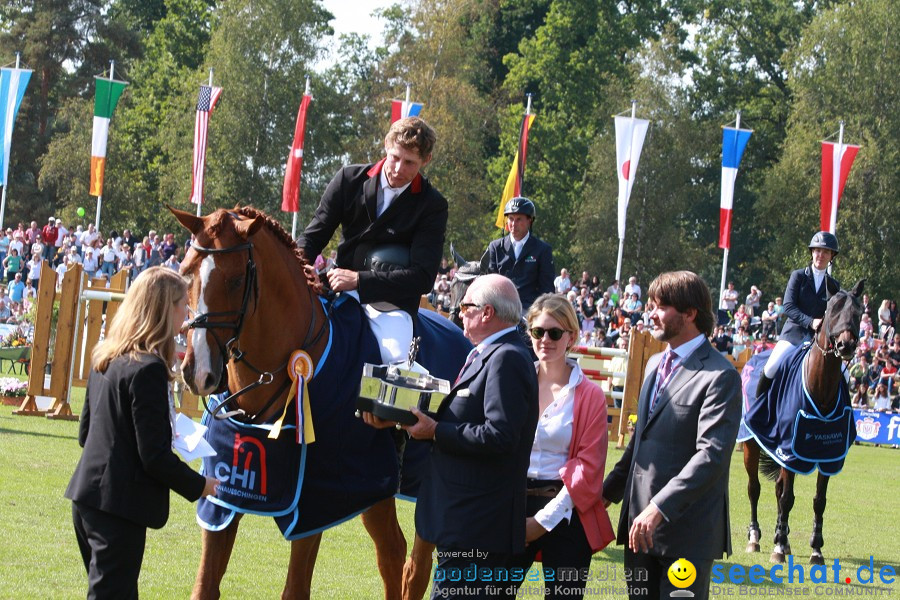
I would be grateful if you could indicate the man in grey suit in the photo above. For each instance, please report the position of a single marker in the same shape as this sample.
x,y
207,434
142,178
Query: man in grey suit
x,y
673,477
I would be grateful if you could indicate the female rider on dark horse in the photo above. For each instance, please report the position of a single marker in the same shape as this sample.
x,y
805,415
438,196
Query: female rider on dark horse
x,y
805,300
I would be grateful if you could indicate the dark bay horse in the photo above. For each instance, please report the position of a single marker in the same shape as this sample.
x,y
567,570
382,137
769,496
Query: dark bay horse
x,y
257,301
819,368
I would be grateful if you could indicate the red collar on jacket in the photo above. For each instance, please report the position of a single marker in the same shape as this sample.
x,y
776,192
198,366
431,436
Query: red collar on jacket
x,y
416,185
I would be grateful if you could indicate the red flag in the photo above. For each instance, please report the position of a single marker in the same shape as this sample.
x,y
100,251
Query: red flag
x,y
836,162
206,102
290,195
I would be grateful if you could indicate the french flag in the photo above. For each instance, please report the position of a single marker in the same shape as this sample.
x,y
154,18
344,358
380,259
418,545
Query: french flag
x,y
404,108
734,141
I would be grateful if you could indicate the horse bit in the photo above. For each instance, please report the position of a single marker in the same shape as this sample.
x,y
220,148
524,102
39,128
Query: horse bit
x,y
230,351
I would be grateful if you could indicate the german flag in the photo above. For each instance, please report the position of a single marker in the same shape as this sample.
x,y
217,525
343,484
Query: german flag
x,y
516,176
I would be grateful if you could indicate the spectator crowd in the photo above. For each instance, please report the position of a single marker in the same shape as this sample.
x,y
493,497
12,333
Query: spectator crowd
x,y
23,250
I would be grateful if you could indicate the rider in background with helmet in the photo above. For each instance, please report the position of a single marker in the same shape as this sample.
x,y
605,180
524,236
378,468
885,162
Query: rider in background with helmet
x,y
521,256
805,300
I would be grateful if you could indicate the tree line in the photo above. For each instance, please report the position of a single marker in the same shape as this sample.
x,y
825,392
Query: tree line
x,y
794,68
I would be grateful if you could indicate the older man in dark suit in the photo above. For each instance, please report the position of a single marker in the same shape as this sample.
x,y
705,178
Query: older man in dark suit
x,y
392,224
471,502
521,256
673,477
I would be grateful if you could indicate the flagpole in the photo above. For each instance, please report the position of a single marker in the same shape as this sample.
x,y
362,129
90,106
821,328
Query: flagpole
x,y
737,125
112,70
622,239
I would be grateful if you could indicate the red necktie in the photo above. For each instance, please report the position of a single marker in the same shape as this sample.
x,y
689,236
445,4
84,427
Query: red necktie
x,y
469,360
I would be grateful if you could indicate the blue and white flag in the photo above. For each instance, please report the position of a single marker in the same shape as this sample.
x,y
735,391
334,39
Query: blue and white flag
x,y
12,88
734,141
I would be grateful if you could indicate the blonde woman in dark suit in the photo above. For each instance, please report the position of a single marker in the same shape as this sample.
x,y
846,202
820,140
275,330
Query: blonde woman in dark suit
x,y
121,484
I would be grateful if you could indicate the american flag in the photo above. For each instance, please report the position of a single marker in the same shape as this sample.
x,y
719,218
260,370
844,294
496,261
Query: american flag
x,y
206,102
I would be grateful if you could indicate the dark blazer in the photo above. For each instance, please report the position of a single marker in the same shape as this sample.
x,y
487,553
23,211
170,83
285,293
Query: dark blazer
x,y
473,493
803,303
416,218
680,456
532,274
128,466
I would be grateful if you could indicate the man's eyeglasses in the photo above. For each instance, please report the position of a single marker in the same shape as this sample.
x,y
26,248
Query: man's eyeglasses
x,y
555,333
465,306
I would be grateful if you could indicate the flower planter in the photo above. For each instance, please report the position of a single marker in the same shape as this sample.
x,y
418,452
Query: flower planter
x,y
11,400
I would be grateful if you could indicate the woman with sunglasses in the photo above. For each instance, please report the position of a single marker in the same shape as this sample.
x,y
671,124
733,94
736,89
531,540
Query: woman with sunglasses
x,y
565,517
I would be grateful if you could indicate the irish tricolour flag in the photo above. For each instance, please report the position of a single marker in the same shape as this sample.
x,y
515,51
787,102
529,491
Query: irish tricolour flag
x,y
105,99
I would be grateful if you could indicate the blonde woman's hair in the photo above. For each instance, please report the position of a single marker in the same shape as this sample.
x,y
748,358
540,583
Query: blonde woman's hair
x,y
558,307
143,324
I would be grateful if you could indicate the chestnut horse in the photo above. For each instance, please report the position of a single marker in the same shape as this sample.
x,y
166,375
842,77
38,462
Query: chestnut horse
x,y
242,261
834,343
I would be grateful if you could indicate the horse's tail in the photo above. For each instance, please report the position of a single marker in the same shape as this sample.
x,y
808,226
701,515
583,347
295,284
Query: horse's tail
x,y
768,467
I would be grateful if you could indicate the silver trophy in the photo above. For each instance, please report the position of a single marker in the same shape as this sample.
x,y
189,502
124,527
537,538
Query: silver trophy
x,y
389,391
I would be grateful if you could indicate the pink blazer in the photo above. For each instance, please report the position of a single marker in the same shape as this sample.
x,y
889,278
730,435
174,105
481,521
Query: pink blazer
x,y
583,472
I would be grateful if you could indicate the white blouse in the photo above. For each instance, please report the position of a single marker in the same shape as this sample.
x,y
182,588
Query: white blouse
x,y
550,450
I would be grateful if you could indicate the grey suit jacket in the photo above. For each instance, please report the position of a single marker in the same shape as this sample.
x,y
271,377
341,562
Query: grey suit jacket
x,y
679,457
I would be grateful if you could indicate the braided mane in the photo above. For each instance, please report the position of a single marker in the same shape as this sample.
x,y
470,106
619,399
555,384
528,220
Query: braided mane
x,y
312,279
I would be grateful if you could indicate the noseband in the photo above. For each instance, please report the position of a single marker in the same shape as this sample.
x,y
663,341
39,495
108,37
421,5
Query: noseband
x,y
230,351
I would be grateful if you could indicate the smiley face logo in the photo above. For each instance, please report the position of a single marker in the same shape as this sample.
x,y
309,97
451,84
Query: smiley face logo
x,y
682,573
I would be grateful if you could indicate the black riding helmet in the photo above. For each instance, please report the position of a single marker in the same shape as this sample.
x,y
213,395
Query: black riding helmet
x,y
519,205
824,239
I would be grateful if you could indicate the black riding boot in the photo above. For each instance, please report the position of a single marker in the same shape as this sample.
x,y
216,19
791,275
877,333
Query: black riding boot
x,y
763,386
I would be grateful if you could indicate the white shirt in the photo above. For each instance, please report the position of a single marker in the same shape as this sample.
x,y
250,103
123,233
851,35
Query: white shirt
x,y
550,449
389,193
518,244
633,288
491,338
818,276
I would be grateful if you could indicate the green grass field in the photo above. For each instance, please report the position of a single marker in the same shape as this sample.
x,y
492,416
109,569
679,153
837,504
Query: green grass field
x,y
39,557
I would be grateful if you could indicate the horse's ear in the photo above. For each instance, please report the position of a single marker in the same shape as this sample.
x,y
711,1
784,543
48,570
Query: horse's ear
x,y
858,288
192,223
485,263
247,228
457,258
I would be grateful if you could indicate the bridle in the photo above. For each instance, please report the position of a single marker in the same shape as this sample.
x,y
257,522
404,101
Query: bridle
x,y
831,345
230,351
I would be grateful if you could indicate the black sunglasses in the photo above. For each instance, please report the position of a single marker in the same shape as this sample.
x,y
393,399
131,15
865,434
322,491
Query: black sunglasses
x,y
555,333
465,306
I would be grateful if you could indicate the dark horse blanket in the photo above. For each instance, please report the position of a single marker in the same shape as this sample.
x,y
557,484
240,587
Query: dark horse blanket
x,y
790,428
350,466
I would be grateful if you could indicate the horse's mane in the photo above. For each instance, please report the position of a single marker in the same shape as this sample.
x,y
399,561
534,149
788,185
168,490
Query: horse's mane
x,y
312,279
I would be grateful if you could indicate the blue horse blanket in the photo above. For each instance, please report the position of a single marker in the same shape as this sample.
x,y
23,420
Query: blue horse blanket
x,y
789,427
308,488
